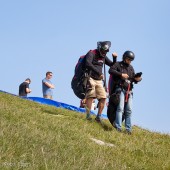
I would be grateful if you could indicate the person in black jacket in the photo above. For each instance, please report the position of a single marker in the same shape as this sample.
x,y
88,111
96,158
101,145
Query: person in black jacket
x,y
124,77
95,61
24,88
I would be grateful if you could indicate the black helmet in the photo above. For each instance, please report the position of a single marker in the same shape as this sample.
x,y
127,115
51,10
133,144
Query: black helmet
x,y
103,47
129,54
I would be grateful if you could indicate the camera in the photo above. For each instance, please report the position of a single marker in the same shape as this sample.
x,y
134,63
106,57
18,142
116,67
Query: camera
x,y
138,74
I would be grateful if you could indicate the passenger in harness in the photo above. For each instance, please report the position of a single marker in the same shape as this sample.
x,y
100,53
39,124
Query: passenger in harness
x,y
120,102
94,65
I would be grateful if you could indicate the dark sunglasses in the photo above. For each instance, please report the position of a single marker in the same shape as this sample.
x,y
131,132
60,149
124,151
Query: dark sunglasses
x,y
129,59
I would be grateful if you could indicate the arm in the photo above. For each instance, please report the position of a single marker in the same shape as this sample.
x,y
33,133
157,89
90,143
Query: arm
x,y
109,62
114,70
49,85
28,90
114,55
89,64
135,77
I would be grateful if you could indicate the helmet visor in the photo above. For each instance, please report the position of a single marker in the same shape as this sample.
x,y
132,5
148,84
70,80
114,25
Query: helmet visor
x,y
104,47
130,59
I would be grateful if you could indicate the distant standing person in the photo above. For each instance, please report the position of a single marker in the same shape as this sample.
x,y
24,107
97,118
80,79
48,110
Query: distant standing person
x,y
47,86
24,88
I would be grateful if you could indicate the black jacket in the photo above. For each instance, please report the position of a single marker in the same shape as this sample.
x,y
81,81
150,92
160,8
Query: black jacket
x,y
22,88
116,71
94,63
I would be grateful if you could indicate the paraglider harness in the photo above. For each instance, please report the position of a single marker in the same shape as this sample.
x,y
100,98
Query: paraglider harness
x,y
126,85
80,81
80,84
115,95
81,77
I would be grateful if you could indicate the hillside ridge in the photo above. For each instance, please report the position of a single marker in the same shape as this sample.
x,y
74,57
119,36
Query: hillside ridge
x,y
36,136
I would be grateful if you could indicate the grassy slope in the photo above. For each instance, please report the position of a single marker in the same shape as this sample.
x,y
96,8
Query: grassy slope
x,y
36,136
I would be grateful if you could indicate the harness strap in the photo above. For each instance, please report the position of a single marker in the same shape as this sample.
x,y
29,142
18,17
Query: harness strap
x,y
105,85
127,93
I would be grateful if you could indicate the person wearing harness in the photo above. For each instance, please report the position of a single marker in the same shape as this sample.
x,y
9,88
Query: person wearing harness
x,y
124,77
94,64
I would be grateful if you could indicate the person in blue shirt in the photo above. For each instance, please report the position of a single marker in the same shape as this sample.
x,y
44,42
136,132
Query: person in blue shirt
x,y
47,86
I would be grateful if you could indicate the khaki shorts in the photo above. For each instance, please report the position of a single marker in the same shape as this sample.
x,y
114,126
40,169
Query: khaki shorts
x,y
97,90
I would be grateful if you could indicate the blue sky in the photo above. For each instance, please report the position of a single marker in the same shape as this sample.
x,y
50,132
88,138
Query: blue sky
x,y
37,36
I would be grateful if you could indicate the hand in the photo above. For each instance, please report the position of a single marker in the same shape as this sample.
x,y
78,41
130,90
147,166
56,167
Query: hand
x,y
125,76
138,79
101,77
52,86
114,55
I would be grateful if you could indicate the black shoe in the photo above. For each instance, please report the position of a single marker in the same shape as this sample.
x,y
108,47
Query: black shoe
x,y
88,117
98,119
119,130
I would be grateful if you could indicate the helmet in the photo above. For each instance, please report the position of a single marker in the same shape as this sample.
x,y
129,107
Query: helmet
x,y
103,47
129,54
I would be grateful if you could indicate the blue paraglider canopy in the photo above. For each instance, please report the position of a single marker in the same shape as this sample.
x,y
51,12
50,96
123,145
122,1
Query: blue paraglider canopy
x,y
56,104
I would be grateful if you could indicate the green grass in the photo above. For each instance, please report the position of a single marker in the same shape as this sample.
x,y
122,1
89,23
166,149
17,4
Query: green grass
x,y
41,137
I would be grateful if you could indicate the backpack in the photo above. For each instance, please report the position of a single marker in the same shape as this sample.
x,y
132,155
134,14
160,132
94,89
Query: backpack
x,y
80,78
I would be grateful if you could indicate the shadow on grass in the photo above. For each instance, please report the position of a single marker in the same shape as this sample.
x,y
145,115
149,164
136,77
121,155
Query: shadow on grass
x,y
105,126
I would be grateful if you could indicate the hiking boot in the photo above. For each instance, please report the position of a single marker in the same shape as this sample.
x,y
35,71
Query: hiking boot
x,y
98,119
88,117
119,130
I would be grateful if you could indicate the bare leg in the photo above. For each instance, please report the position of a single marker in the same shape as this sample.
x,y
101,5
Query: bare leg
x,y
88,107
100,109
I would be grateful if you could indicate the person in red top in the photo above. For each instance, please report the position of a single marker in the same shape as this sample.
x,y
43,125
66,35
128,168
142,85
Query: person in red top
x,y
94,64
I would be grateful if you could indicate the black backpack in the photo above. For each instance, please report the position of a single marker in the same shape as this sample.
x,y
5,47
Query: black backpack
x,y
80,78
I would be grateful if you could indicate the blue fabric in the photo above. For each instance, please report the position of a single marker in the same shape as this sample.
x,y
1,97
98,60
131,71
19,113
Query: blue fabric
x,y
57,104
